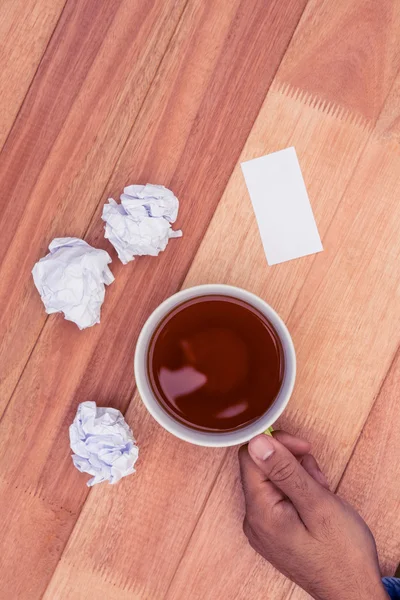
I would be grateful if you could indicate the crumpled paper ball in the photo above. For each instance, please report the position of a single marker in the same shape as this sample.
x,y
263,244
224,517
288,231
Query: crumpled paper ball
x,y
141,224
103,443
71,280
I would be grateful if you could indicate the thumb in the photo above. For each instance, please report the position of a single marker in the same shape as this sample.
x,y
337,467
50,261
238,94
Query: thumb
x,y
281,468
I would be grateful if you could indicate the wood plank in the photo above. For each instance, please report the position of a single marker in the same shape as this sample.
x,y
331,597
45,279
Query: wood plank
x,y
26,27
371,479
346,53
337,139
64,145
210,70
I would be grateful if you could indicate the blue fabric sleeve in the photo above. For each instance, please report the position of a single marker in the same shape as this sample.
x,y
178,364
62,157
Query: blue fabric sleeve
x,y
392,586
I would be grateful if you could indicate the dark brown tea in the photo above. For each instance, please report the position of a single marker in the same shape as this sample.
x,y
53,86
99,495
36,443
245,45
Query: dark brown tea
x,y
215,363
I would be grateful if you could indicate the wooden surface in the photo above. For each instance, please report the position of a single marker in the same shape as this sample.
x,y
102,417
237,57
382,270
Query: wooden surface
x,y
96,95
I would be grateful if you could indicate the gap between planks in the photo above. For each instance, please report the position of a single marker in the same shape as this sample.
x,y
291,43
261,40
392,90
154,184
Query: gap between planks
x,y
34,75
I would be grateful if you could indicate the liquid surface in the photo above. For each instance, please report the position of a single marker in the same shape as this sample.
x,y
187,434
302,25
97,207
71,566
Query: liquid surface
x,y
215,363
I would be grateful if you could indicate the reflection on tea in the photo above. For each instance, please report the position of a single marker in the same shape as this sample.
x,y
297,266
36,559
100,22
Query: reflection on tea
x,y
215,363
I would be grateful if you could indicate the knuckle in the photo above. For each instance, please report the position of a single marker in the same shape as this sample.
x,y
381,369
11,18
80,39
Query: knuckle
x,y
253,543
254,537
328,503
275,515
246,528
282,470
323,512
249,533
257,516
252,519
263,517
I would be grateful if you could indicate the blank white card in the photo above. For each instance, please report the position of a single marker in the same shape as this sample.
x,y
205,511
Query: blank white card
x,y
282,207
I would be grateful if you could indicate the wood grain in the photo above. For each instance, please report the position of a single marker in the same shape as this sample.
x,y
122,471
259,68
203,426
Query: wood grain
x,y
64,145
371,479
120,43
346,53
144,525
26,27
354,352
218,562
179,93
342,308
287,117
210,70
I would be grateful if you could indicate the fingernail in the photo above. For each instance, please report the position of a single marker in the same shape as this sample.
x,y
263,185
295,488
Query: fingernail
x,y
261,447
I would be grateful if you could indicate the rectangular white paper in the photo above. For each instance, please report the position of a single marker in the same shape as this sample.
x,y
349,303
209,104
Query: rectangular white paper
x,y
282,207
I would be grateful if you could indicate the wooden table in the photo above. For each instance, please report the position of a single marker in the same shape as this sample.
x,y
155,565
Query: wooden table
x,y
97,94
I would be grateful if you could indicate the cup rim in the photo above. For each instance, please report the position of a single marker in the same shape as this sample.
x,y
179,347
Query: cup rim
x,y
206,438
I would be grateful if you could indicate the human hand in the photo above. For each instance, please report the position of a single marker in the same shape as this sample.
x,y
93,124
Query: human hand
x,y
308,533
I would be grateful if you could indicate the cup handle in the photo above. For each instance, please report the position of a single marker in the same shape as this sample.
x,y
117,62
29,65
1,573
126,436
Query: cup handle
x,y
269,431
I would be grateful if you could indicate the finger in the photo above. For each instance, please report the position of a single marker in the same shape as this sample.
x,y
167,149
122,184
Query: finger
x,y
296,445
311,466
254,483
252,477
282,469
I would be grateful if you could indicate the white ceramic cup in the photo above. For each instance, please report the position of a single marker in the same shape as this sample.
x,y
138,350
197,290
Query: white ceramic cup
x,y
202,438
